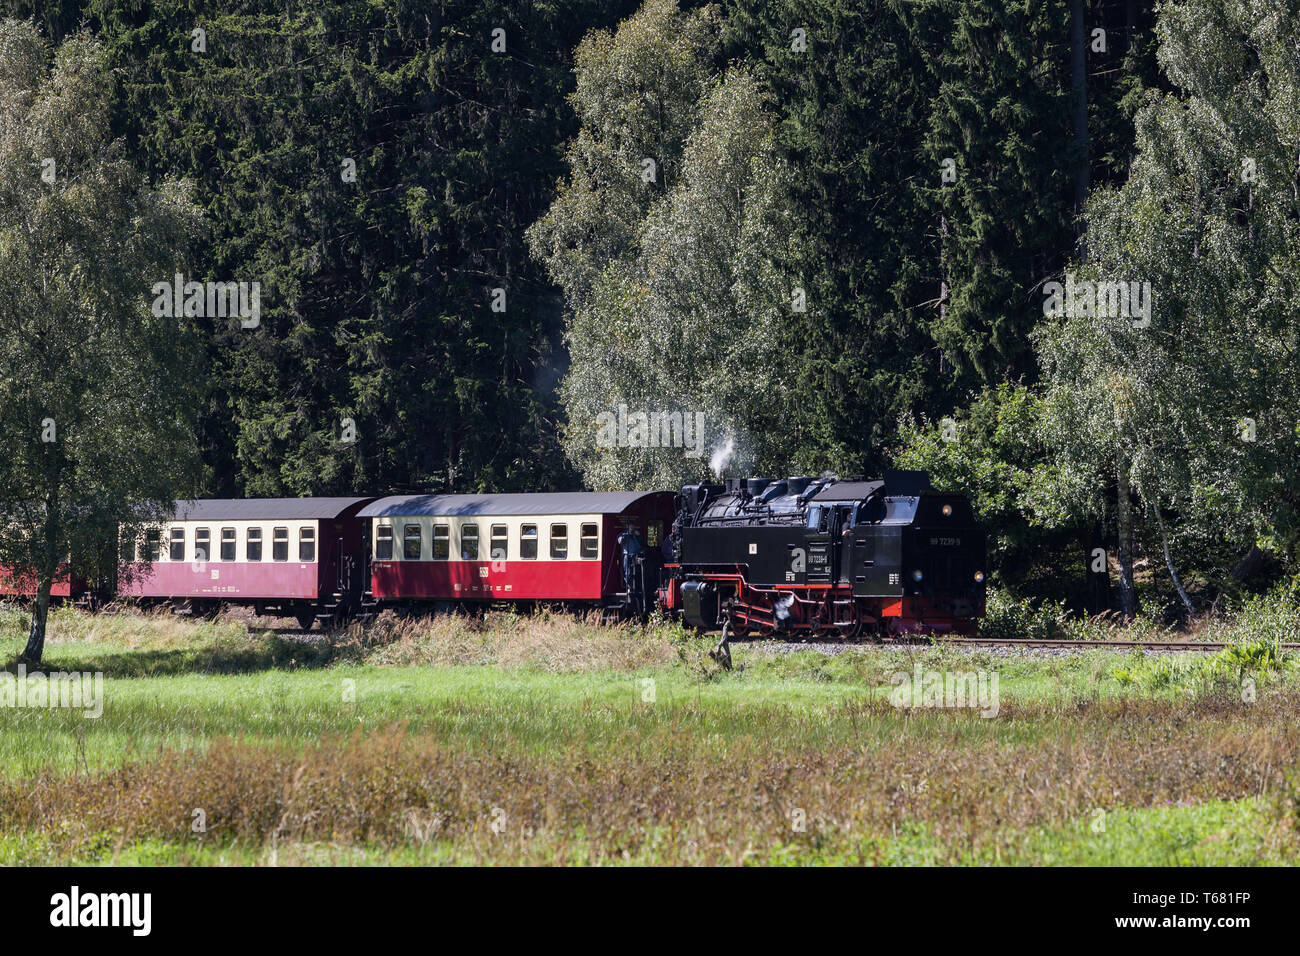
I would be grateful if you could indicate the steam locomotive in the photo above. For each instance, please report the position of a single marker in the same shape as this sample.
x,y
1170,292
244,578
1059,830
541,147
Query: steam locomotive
x,y
823,556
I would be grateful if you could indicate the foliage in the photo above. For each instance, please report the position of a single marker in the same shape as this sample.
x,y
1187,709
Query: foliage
x,y
1238,667
1194,410
992,451
377,291
98,392
1001,117
679,296
638,96
1025,619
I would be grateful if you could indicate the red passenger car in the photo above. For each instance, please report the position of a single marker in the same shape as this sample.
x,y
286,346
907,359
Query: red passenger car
x,y
66,584
298,557
511,547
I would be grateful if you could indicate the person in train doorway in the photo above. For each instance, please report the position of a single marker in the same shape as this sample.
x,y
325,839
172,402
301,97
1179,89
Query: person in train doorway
x,y
631,547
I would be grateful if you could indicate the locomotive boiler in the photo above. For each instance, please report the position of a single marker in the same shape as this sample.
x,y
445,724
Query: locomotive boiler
x,y
824,556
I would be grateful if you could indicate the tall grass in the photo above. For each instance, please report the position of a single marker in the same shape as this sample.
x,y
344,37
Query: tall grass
x,y
672,801
559,643
1274,618
550,738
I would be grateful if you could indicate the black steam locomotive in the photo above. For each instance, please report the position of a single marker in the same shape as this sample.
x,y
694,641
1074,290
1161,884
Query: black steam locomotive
x,y
824,556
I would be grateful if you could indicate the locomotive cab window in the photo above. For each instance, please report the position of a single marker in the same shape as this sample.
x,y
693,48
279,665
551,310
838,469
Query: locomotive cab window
x,y
306,544
846,518
412,542
528,542
559,542
590,546
280,544
469,542
441,542
202,544
253,545
384,543
819,519
500,542
176,552
872,511
227,544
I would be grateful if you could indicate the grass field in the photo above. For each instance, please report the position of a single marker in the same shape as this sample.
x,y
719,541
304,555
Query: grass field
x,y
552,740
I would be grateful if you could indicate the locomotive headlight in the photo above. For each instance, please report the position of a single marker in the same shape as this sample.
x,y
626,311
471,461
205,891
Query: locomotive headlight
x,y
946,510
979,577
916,575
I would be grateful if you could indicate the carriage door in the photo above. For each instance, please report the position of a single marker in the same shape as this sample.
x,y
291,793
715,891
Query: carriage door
x,y
345,579
329,554
363,577
843,546
819,537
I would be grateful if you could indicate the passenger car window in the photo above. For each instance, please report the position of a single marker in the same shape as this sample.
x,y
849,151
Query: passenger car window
x,y
253,545
441,542
384,544
202,538
177,550
153,543
306,544
528,542
590,545
412,542
227,544
469,542
279,544
499,549
559,542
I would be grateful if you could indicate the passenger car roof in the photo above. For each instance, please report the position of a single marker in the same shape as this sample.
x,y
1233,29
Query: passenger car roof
x,y
557,503
255,509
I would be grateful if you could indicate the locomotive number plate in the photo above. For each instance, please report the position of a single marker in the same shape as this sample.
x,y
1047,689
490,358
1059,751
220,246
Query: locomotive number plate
x,y
945,542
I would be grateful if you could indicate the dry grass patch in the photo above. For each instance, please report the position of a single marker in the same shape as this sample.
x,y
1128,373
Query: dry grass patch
x,y
127,627
558,643
668,800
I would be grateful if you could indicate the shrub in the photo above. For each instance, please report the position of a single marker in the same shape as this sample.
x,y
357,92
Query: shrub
x,y
1226,671
1006,618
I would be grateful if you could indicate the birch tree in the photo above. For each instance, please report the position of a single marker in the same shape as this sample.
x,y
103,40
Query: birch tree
x,y
98,396
1190,413
678,291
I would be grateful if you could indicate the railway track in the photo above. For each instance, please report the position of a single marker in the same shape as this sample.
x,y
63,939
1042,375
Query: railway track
x,y
1085,645
1057,645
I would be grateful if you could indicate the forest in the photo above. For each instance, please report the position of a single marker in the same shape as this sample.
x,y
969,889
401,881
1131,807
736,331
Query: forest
x,y
1048,250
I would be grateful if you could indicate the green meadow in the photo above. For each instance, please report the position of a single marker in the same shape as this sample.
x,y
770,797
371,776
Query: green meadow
x,y
550,739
